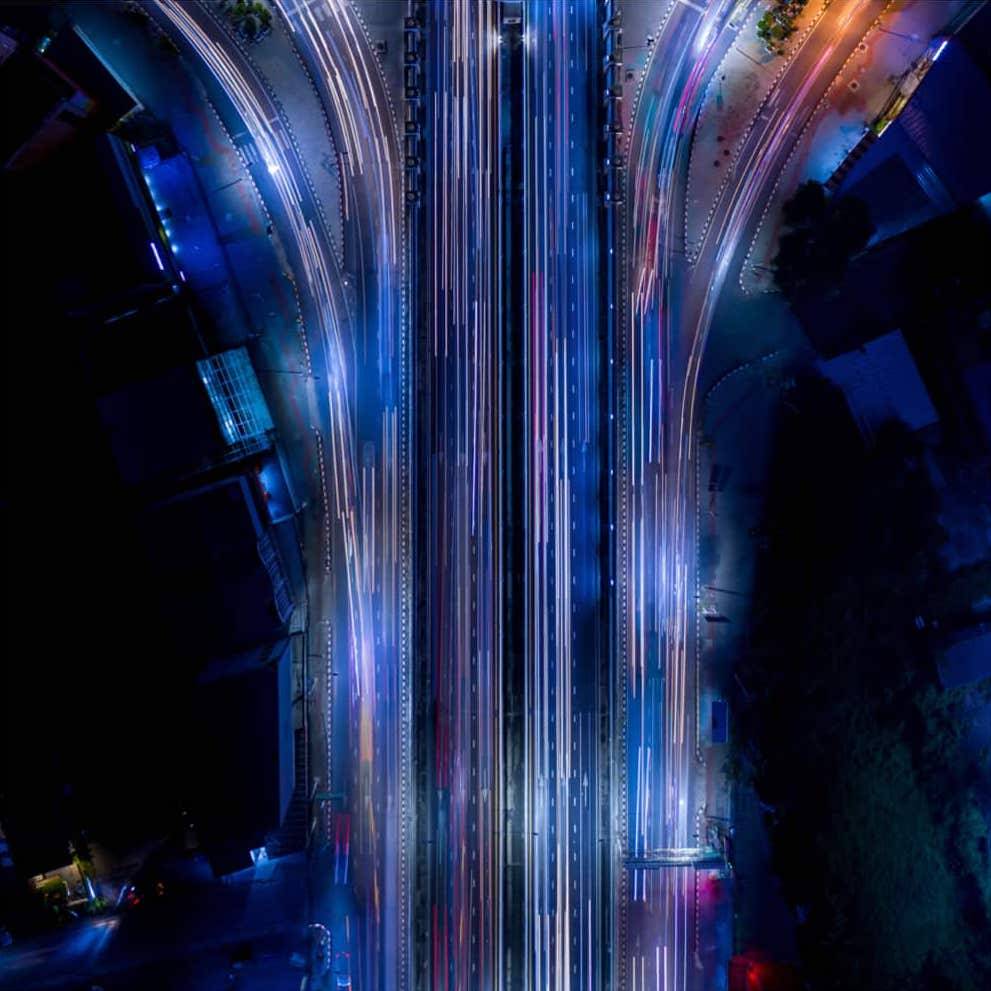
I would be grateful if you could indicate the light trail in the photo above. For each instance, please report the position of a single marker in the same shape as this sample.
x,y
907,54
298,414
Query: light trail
x,y
652,569
462,535
668,331
364,463
364,417
560,347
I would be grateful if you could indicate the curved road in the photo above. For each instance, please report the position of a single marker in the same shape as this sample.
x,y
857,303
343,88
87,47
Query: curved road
x,y
670,305
353,342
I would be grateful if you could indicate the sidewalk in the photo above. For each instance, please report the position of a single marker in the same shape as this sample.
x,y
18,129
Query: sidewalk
x,y
857,95
383,23
733,99
288,81
640,22
737,422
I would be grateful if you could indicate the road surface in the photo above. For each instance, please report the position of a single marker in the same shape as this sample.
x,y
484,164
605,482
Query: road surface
x,y
459,618
669,306
562,352
353,344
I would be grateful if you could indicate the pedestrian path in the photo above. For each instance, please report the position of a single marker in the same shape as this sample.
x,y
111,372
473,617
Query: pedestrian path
x,y
737,416
293,91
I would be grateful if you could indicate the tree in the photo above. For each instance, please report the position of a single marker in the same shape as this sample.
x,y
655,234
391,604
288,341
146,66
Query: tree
x,y
844,730
777,24
822,235
251,18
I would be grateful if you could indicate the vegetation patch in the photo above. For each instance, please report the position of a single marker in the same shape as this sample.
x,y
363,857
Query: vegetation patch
x,y
249,18
778,24
844,729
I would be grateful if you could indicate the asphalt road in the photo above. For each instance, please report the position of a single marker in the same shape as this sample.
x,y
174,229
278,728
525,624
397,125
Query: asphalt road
x,y
670,305
357,394
355,398
338,55
562,353
458,571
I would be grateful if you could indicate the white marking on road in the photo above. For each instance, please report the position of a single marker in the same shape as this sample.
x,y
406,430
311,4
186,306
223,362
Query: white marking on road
x,y
694,6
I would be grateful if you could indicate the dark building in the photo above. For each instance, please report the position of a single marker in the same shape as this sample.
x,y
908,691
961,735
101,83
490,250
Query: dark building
x,y
222,582
880,382
162,531
245,772
55,87
930,283
935,156
95,242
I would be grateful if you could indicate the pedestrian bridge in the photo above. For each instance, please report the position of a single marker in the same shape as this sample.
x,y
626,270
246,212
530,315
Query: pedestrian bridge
x,y
698,857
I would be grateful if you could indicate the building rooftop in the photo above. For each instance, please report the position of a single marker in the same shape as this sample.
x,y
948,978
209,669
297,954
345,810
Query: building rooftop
x,y
936,155
245,768
162,427
880,383
219,592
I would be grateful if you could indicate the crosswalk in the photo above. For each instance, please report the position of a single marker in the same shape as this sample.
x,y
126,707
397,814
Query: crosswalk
x,y
248,149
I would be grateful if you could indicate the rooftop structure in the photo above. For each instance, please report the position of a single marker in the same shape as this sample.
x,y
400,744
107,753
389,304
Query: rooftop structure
x,y
55,91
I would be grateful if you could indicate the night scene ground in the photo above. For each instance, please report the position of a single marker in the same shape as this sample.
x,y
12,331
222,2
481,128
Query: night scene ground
x,y
498,495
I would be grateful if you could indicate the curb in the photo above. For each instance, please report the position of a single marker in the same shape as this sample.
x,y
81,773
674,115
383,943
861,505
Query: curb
x,y
874,25
692,254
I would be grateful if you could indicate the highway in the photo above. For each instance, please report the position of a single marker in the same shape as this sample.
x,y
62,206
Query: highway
x,y
656,907
562,355
338,55
356,401
670,305
461,446
457,497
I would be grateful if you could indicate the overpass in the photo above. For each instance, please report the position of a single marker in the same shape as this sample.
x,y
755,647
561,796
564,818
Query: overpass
x,y
701,858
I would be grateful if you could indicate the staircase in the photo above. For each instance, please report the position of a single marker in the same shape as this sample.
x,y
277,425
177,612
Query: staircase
x,y
292,835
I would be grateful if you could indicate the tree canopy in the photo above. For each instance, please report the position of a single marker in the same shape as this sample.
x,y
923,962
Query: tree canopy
x,y
844,730
821,235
